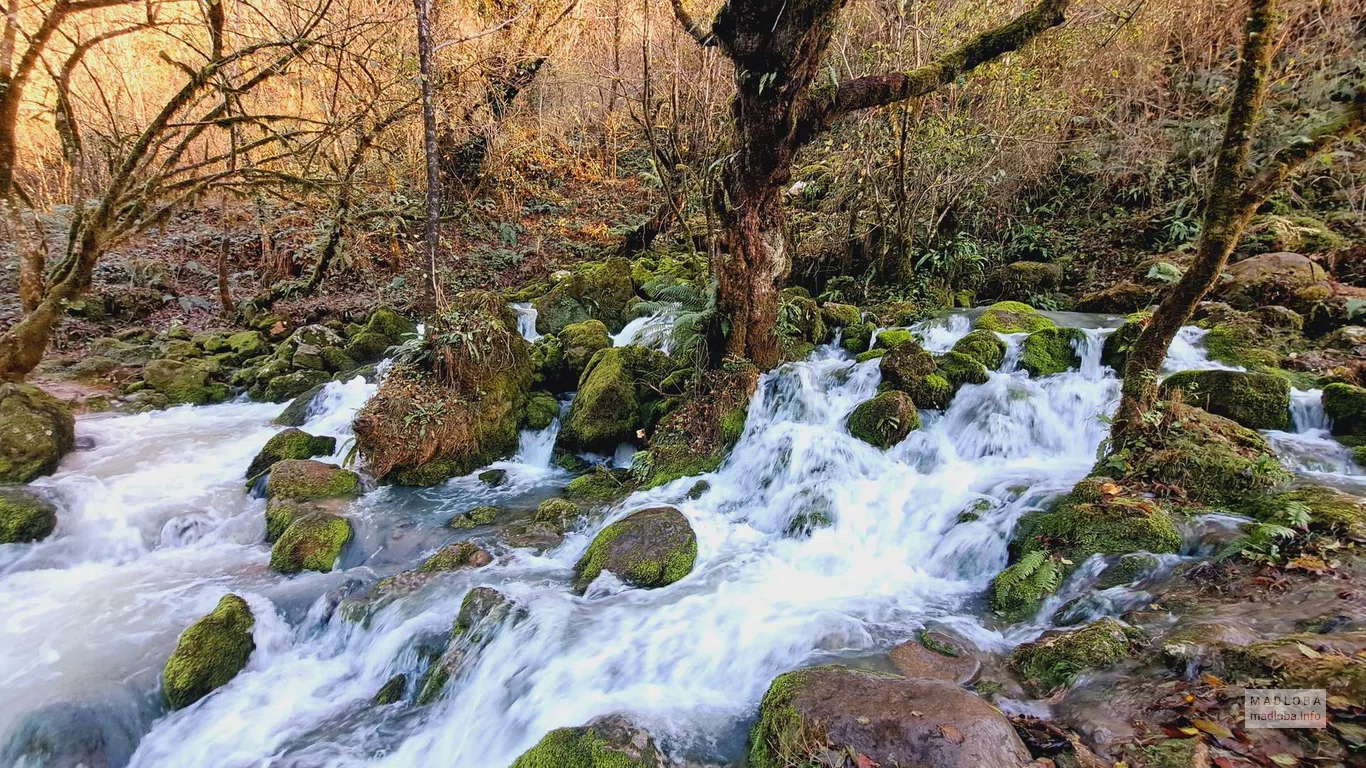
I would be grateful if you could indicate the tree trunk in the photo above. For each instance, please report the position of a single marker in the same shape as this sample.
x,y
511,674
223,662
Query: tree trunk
x,y
750,276
431,292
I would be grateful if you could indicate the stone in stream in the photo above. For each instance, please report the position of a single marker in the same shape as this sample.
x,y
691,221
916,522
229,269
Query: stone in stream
x,y
291,443
493,477
481,612
601,291
209,653
1057,658
305,479
392,690
1254,400
36,431
1346,406
983,346
1012,317
455,557
650,548
1051,350
296,413
25,516
884,420
615,398
609,742
934,656
311,543
887,719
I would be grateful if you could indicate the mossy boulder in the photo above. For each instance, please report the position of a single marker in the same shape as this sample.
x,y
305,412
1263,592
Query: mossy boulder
x,y
557,514
601,291
25,517
290,443
649,548
838,315
1115,352
547,366
1345,404
459,406
296,413
906,364
209,653
281,513
1244,343
311,543
1023,279
958,369
1051,350
1331,511
290,385
885,719
305,480
456,557
541,411
482,607
580,342
892,337
1011,317
474,518
614,398
1270,278
387,322
695,437
856,338
1255,400
600,486
183,382
366,347
885,420
1121,298
36,431
1056,659
604,743
983,346
248,345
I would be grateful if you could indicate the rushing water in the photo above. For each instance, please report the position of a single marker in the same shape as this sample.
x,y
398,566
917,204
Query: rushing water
x,y
156,526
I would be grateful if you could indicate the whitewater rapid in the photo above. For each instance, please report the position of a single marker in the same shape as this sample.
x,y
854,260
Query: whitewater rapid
x,y
156,526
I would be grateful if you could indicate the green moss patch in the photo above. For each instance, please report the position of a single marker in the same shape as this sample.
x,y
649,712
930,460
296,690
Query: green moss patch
x,y
209,653
696,437
885,420
650,548
1346,406
311,543
456,557
475,517
1056,659
1254,400
36,431
291,443
305,479
601,291
983,346
24,517
597,745
1051,351
1012,317
614,399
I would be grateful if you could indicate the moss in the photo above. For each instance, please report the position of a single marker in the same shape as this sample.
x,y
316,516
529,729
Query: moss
x,y
24,517
1128,569
856,338
1346,406
1254,400
781,737
36,431
1091,522
904,365
181,382
392,690
931,392
600,486
838,315
290,385
386,322
892,337
1332,664
1012,317
557,512
1330,511
584,748
290,444
1056,659
697,436
311,543
885,420
455,557
1173,753
304,479
548,368
281,513
1239,343
872,354
367,347
541,411
580,342
614,398
209,653
598,291
959,369
800,325
1051,351
474,518
650,548
983,346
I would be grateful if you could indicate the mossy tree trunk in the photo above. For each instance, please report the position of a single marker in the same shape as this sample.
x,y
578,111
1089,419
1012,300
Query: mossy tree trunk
x,y
1234,195
778,49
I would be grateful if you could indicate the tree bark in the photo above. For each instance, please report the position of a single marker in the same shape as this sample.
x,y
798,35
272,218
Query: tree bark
x,y
431,291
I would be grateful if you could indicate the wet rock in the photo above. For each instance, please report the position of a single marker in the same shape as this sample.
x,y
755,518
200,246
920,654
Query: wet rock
x,y
1012,317
943,662
290,385
983,346
1120,298
1254,400
296,413
541,411
856,338
1127,570
210,653
474,518
892,337
281,513
1057,658
102,732
886,719
25,517
1271,278
456,557
610,742
1115,352
367,347
650,548
1051,350
958,370
905,365
614,398
600,291
290,444
695,437
493,477
482,607
600,486
580,342
885,420
392,691
248,345
311,543
304,479
1346,406
36,431
558,513
838,315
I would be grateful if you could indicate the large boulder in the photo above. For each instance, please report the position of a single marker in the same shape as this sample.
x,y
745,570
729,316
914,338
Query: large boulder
x,y
610,742
1255,400
649,548
1345,404
1012,317
1120,298
24,516
36,431
184,382
602,291
1331,511
1271,278
614,399
1051,350
580,341
1058,658
983,346
905,365
306,480
885,420
457,404
209,653
1023,279
290,443
311,543
879,719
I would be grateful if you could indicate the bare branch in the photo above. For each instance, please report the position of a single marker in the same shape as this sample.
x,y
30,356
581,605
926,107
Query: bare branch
x,y
703,36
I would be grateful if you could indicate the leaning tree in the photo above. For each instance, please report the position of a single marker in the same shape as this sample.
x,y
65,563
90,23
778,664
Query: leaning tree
x,y
1236,191
784,98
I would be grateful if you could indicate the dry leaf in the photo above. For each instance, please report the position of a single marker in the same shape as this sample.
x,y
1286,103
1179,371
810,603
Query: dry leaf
x,y
864,761
952,734
1213,728
1307,651
1212,681
1284,759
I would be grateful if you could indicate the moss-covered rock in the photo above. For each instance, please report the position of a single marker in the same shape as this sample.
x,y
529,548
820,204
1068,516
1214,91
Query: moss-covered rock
x,y
650,548
1051,350
541,411
311,543
600,486
366,347
474,518
885,420
888,719
296,413
1255,400
456,557
290,443
463,400
601,291
36,431
1242,343
958,370
290,385
1330,511
614,398
281,513
1012,317
983,346
25,517
1056,659
1271,278
892,337
493,478
248,345
838,315
1115,352
387,322
604,743
856,338
580,342
304,480
906,364
182,382
696,437
1023,279
558,514
1018,592
209,653
392,691
1121,298
1345,404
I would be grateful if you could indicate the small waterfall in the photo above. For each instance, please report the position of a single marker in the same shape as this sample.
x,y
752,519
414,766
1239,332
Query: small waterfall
x,y
1306,411
649,331
939,335
526,320
1187,353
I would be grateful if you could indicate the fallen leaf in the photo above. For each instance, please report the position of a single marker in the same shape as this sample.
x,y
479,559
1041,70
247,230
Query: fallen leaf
x,y
1212,681
864,761
1110,489
1284,759
952,734
864,721
1213,728
1307,651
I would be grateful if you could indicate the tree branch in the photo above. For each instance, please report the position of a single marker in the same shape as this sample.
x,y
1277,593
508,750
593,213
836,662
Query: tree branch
x,y
703,36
